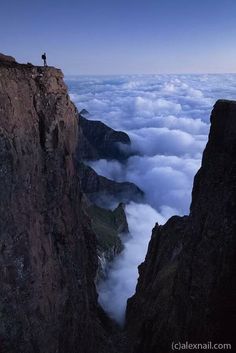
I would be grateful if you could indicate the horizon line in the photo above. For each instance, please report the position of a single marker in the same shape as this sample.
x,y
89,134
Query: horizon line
x,y
151,74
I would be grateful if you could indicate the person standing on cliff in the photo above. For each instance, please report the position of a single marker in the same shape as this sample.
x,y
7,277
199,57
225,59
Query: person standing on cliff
x,y
44,58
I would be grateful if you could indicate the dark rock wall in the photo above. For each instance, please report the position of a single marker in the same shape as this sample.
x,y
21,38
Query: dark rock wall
x,y
186,289
108,225
104,191
97,140
48,260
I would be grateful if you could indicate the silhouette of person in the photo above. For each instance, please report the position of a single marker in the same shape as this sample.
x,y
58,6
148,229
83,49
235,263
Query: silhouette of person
x,y
44,58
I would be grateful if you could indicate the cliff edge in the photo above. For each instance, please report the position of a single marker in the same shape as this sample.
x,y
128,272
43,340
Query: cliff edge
x,y
186,287
48,300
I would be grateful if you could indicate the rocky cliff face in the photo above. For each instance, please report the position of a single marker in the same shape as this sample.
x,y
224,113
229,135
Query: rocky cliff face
x,y
97,140
104,191
186,289
48,301
108,225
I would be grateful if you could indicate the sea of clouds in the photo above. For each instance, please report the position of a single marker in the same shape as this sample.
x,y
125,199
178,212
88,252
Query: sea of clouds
x,y
167,118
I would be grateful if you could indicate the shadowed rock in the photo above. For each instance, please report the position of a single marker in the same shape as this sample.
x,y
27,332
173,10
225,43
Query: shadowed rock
x,y
97,140
105,192
48,250
186,289
108,225
84,112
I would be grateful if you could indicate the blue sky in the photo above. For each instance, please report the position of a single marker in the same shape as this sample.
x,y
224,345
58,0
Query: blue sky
x,y
122,36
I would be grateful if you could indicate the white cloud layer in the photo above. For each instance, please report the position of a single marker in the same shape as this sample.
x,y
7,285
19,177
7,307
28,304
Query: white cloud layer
x,y
167,119
120,285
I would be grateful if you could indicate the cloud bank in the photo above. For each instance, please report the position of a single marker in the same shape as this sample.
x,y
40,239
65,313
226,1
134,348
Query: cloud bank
x,y
167,119
123,273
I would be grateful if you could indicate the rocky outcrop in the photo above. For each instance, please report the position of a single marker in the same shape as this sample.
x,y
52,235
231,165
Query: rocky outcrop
x,y
186,289
97,140
84,112
105,192
108,225
48,300
6,58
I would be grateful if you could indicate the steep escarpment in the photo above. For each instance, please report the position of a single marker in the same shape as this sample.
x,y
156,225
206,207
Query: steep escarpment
x,y
48,251
186,289
97,140
104,191
108,225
